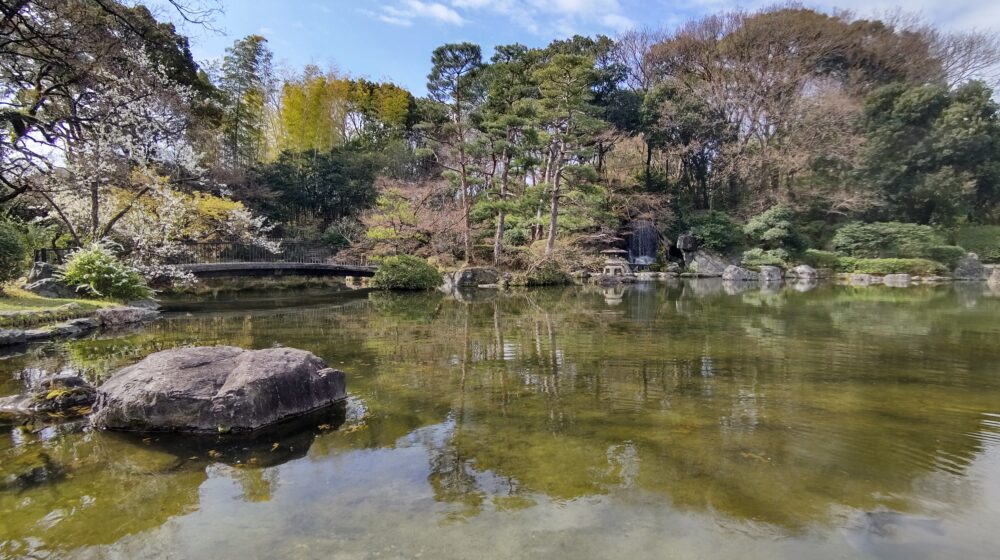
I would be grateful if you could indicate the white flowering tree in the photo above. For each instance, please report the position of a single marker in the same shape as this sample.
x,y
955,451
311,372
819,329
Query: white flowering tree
x,y
128,172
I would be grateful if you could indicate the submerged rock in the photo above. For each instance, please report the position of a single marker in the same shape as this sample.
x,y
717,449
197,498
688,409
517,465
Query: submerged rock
x,y
118,316
65,396
734,273
216,388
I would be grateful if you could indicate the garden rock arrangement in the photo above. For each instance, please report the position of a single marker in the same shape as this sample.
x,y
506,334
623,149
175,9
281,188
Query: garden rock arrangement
x,y
471,277
216,389
734,273
969,268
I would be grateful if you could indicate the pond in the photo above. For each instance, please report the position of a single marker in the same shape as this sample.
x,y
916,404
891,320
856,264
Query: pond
x,y
681,420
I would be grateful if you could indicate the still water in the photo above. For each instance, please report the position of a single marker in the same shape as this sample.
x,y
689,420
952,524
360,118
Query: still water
x,y
683,420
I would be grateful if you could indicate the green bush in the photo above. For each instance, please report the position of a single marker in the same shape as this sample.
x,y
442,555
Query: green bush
x,y
547,273
96,271
716,231
774,229
820,259
947,255
916,267
886,239
406,272
515,237
12,252
757,257
981,240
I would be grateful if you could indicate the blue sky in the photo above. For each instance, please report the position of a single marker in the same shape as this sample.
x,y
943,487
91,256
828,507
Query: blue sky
x,y
392,39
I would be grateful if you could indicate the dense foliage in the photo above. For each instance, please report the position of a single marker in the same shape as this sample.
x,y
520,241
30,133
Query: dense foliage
x,y
406,272
982,240
12,251
776,131
97,271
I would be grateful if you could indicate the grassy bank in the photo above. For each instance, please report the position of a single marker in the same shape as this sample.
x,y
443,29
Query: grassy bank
x,y
20,309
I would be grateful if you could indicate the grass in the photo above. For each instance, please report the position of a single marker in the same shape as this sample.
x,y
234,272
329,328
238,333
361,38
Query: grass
x,y
21,309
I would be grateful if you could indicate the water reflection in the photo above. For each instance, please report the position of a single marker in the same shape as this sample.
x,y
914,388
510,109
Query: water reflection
x,y
768,412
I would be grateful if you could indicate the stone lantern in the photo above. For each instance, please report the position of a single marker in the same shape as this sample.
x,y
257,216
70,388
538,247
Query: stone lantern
x,y
616,263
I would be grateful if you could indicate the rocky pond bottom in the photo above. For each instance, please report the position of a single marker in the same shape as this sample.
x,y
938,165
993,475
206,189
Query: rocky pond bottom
x,y
683,419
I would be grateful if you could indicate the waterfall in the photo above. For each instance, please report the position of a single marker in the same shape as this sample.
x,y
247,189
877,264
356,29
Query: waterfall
x,y
644,242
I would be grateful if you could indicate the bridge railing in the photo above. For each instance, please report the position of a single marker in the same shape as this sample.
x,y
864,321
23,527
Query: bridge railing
x,y
226,252
287,252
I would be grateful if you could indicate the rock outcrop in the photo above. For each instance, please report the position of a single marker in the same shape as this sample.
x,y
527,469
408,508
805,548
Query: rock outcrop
x,y
770,274
803,272
734,273
216,388
969,268
897,280
703,263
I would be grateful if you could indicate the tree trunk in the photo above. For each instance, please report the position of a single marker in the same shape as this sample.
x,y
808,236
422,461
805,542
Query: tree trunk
x,y
501,215
95,214
550,245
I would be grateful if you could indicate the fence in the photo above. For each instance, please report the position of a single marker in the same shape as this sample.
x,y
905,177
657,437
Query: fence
x,y
226,252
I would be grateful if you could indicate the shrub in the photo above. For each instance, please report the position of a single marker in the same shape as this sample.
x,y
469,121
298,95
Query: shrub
x,y
406,272
774,229
946,254
981,240
546,273
916,267
716,230
885,239
515,237
756,257
96,271
12,252
820,259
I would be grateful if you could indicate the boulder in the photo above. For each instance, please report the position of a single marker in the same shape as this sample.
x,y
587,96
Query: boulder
x,y
472,276
686,242
969,268
40,271
51,288
861,279
704,263
118,316
994,279
770,274
896,280
804,272
216,389
734,273
11,337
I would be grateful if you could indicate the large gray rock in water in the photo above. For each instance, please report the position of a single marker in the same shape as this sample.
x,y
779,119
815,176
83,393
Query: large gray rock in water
x,y
995,277
216,388
734,273
770,274
704,263
969,268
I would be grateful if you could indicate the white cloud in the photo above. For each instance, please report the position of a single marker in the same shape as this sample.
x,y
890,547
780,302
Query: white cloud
x,y
561,16
404,12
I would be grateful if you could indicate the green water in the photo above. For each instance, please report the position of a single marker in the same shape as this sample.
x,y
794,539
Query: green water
x,y
656,421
